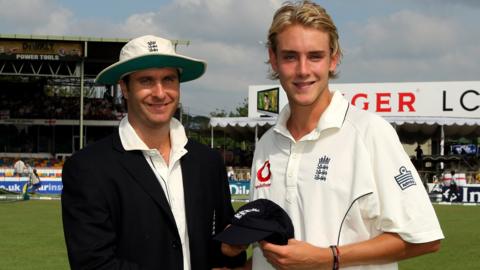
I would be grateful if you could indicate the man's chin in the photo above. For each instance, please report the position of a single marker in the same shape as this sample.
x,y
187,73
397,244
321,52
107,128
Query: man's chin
x,y
303,102
161,120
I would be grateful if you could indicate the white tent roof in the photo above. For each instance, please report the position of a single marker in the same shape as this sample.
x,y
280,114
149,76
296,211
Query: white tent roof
x,y
242,121
443,121
398,120
420,128
241,127
410,129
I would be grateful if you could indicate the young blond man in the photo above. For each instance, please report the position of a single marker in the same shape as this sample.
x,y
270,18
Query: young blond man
x,y
355,199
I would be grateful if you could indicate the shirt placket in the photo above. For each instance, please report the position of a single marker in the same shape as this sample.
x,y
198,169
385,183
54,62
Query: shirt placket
x,y
292,170
159,169
172,189
176,204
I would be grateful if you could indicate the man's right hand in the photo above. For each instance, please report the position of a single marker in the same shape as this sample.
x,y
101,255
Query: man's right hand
x,y
233,250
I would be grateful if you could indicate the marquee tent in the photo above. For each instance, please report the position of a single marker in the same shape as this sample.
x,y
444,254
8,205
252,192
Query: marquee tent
x,y
418,110
241,127
410,129
420,129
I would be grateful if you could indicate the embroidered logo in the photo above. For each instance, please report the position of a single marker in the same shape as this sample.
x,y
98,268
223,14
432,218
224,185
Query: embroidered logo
x,y
152,46
242,213
263,175
322,169
405,178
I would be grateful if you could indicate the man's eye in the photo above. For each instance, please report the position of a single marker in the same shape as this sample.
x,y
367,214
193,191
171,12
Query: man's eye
x,y
170,79
289,57
145,81
316,57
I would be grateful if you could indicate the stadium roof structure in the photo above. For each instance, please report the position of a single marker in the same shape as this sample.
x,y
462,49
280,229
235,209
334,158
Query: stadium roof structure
x,y
60,60
56,37
59,56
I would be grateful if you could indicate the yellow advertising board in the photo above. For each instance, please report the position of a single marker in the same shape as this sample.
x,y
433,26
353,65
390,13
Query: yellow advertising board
x,y
44,50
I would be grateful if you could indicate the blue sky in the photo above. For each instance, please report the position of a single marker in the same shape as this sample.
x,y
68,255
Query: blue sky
x,y
383,40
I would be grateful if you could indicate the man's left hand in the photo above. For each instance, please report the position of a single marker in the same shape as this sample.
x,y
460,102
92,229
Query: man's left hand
x,y
297,255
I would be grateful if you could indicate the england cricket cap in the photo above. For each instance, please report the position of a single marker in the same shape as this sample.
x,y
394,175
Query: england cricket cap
x,y
151,52
258,220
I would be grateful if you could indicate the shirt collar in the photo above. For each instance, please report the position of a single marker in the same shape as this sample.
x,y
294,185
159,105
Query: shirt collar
x,y
332,117
131,141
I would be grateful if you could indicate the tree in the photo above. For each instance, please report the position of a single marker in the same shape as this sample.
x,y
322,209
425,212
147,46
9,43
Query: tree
x,y
218,113
240,111
197,128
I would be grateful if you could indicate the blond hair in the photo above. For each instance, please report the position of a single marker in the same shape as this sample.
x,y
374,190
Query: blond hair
x,y
308,14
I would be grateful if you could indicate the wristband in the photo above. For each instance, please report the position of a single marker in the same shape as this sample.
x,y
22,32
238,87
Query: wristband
x,y
336,255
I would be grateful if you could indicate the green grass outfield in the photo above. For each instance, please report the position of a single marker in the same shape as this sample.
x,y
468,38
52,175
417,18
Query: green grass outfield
x,y
32,238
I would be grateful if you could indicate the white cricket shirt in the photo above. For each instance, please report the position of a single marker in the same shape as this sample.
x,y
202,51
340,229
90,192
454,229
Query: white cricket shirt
x,y
169,175
347,181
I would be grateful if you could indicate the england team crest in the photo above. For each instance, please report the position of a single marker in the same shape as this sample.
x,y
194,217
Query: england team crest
x,y
322,169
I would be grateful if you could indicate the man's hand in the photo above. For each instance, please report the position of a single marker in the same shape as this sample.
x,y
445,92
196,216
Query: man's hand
x,y
233,250
297,255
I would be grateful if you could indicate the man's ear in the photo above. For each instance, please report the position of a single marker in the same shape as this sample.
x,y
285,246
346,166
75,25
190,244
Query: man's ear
x,y
334,62
272,59
124,88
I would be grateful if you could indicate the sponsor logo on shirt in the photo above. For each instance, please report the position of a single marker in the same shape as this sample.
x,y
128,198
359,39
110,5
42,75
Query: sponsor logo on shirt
x,y
405,178
263,175
322,169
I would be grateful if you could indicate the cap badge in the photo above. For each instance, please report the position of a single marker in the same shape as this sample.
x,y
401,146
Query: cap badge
x,y
152,46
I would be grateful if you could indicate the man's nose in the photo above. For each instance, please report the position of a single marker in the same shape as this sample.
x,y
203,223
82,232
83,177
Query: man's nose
x,y
302,67
158,90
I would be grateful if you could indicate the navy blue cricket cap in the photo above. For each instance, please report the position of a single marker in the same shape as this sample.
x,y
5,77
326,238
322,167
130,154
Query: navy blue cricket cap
x,y
258,220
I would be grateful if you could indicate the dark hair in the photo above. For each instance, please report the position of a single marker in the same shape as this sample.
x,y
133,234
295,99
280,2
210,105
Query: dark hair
x,y
126,79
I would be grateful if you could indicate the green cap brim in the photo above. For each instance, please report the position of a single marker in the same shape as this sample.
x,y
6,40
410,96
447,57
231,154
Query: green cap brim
x,y
191,69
